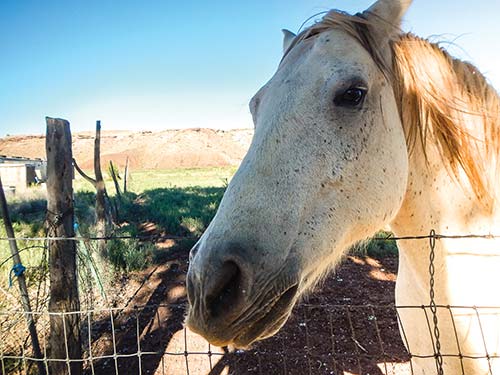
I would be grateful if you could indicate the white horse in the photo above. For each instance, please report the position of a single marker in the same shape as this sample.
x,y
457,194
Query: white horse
x,y
361,127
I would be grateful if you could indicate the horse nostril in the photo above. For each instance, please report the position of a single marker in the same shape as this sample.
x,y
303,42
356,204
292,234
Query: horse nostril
x,y
226,291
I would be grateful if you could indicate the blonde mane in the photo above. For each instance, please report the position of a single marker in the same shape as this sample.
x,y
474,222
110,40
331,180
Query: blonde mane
x,y
449,102
440,99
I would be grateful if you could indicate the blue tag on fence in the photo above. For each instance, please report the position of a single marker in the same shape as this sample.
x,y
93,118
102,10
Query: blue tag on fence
x,y
17,269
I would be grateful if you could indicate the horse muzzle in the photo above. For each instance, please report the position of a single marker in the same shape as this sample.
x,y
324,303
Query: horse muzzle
x,y
234,303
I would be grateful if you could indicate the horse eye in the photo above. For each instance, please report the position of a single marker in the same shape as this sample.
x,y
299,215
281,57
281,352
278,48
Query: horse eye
x,y
350,97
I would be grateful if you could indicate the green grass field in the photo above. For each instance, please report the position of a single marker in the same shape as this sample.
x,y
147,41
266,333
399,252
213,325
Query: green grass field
x,y
140,181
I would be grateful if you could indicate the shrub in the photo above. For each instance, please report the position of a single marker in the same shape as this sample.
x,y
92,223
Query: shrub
x,y
129,255
194,225
379,246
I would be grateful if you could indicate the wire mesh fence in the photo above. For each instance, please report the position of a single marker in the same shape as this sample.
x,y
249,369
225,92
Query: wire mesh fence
x,y
146,339
320,338
151,340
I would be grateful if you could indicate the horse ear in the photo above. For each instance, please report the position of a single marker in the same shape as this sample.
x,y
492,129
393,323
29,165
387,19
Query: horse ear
x,y
387,14
288,38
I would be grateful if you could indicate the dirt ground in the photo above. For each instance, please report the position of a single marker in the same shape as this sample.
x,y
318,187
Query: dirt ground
x,y
168,149
328,333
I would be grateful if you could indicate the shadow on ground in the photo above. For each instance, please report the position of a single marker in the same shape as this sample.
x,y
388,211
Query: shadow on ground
x,y
327,333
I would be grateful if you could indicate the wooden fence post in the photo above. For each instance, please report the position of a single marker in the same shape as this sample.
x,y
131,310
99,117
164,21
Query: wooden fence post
x,y
113,171
125,177
64,338
18,270
102,201
100,197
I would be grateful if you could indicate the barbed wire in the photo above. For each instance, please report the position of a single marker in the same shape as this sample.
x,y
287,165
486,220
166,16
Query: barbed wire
x,y
159,237
96,238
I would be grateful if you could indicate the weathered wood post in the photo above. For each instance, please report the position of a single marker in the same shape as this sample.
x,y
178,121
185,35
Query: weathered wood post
x,y
113,171
102,216
18,269
100,197
64,339
125,177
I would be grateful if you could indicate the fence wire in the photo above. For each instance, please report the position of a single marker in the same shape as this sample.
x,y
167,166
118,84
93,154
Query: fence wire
x,y
144,340
318,339
160,237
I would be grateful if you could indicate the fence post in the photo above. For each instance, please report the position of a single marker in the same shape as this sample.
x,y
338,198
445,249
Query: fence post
x,y
125,177
102,222
113,171
64,338
18,269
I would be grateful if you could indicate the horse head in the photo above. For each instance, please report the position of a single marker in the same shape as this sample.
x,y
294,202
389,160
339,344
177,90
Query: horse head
x,y
327,167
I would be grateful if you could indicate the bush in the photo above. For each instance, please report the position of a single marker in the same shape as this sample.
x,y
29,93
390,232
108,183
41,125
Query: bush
x,y
377,247
129,255
194,225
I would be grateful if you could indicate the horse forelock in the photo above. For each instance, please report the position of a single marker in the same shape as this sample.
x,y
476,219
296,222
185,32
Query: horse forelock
x,y
440,99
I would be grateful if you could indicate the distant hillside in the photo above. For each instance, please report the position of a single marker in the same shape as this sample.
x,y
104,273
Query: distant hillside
x,y
186,148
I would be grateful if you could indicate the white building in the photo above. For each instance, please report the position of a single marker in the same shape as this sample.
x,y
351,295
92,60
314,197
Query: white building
x,y
18,173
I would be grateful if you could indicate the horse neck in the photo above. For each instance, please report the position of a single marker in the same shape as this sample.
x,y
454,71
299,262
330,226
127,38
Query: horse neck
x,y
435,200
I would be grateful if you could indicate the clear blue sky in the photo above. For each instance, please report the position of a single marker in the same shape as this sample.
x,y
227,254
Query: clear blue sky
x,y
156,64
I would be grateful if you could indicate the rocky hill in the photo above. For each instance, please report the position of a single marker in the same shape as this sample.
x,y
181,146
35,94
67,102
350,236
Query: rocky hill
x,y
186,148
